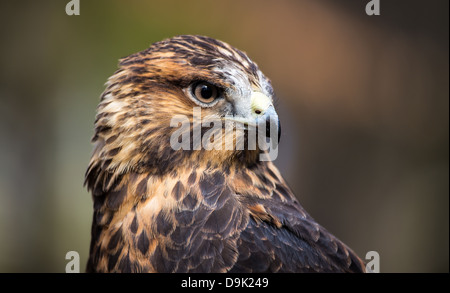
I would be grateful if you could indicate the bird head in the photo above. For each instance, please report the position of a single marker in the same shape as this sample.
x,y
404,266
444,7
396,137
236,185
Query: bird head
x,y
178,89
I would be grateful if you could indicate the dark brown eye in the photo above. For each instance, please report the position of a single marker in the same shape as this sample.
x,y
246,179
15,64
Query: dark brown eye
x,y
205,92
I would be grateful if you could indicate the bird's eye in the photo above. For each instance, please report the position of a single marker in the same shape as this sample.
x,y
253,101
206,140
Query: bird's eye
x,y
205,92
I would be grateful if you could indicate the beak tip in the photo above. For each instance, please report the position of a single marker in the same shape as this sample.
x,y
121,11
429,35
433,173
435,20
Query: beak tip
x,y
269,121
279,130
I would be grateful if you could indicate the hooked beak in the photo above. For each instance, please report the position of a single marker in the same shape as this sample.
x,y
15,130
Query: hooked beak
x,y
263,113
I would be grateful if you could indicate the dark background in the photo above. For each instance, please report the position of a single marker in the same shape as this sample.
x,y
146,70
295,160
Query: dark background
x,y
364,104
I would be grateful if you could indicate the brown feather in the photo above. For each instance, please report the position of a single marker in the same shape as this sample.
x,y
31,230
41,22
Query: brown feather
x,y
157,209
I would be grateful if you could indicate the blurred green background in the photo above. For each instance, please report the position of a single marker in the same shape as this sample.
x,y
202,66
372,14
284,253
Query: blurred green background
x,y
364,104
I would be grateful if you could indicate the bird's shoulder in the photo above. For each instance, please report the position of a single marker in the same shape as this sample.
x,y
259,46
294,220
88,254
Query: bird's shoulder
x,y
281,235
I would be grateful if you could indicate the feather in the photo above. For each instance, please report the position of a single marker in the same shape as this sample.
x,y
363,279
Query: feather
x,y
157,209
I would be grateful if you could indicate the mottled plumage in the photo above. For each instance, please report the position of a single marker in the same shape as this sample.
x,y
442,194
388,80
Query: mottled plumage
x,y
157,209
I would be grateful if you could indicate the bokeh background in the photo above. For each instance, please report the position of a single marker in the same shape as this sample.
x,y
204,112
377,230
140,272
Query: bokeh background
x,y
364,104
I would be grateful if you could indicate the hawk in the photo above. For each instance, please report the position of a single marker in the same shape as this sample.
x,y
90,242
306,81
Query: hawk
x,y
162,209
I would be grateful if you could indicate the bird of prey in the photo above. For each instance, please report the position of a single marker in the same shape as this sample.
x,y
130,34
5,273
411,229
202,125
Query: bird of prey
x,y
163,209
